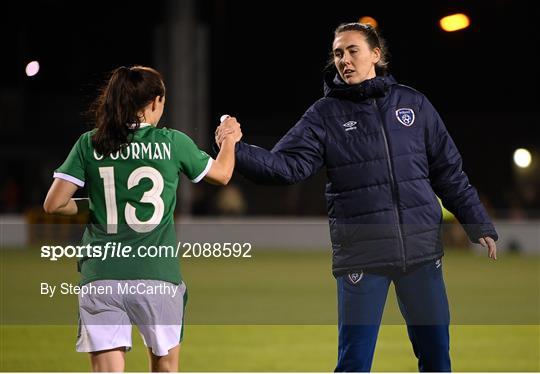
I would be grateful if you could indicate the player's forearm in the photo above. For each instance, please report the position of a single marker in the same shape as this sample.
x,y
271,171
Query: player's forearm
x,y
224,164
58,199
67,209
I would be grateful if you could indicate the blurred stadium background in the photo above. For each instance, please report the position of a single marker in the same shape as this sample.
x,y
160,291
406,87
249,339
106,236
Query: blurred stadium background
x,y
262,61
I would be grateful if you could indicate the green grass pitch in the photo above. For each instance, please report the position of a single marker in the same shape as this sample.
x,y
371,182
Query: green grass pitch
x,y
277,312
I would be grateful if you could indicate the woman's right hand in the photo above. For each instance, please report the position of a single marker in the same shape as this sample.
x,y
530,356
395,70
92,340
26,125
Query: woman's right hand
x,y
228,129
227,135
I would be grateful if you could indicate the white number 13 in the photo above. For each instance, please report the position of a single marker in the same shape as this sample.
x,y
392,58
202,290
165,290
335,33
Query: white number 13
x,y
152,196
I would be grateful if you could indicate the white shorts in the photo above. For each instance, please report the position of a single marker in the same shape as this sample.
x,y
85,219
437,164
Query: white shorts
x,y
109,308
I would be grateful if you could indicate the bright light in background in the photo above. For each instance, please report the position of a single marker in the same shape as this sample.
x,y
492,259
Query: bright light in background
x,y
32,68
454,22
370,20
522,158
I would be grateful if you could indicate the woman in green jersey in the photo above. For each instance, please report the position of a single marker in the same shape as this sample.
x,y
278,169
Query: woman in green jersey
x,y
132,169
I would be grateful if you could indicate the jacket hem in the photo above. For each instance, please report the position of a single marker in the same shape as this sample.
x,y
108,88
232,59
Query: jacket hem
x,y
339,271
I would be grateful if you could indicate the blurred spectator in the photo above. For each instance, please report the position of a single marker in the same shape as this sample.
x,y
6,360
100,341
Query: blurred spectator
x,y
230,201
531,200
291,199
516,211
10,196
201,201
487,204
453,235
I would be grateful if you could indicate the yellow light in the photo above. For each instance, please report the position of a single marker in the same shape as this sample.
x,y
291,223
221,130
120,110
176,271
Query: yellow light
x,y
454,22
370,20
522,158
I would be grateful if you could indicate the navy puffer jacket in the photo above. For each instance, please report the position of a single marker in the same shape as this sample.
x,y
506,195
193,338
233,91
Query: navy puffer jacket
x,y
388,156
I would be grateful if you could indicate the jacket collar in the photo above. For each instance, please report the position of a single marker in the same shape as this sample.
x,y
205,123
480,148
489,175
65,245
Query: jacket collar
x,y
376,87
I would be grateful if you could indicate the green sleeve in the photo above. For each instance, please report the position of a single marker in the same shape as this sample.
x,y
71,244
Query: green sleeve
x,y
73,169
194,163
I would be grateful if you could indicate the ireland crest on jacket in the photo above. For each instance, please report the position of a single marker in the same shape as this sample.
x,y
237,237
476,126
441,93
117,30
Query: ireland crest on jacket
x,y
405,116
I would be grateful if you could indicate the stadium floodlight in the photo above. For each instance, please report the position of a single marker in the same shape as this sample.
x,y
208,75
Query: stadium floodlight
x,y
522,158
454,22
32,68
369,20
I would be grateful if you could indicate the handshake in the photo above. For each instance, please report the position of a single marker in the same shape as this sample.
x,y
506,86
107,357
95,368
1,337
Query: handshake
x,y
229,129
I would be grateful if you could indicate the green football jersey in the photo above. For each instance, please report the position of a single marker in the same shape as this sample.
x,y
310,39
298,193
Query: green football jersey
x,y
132,197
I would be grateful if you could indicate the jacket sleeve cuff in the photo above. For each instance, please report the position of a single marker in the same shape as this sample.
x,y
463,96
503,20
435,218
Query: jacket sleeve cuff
x,y
475,232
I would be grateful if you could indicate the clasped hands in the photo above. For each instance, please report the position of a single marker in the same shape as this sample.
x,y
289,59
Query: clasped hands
x,y
228,129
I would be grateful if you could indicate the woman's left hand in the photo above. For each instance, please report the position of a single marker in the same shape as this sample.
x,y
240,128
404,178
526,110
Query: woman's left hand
x,y
490,244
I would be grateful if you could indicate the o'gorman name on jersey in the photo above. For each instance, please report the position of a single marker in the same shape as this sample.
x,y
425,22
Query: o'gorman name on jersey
x,y
140,151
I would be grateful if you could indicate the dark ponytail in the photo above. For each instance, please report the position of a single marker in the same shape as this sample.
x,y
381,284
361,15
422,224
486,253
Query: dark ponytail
x,y
116,110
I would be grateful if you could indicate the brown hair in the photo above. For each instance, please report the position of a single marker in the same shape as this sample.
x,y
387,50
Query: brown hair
x,y
115,111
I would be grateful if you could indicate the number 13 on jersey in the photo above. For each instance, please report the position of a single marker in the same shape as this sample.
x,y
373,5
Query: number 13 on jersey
x,y
152,196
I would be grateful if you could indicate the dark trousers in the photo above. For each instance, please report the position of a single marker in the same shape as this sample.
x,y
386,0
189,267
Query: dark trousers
x,y
423,303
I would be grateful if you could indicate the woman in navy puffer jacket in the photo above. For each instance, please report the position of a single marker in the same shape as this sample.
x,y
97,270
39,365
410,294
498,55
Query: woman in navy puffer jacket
x,y
388,156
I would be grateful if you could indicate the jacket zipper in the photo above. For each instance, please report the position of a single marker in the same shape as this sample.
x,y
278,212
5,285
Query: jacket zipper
x,y
392,185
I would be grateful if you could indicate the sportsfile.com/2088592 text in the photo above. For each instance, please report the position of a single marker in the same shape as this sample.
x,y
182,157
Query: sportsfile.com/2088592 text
x,y
118,250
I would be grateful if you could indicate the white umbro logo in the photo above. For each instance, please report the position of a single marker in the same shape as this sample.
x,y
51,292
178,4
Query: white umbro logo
x,y
351,125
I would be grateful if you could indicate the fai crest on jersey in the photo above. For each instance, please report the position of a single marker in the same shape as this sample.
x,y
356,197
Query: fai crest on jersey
x,y
405,116
355,277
